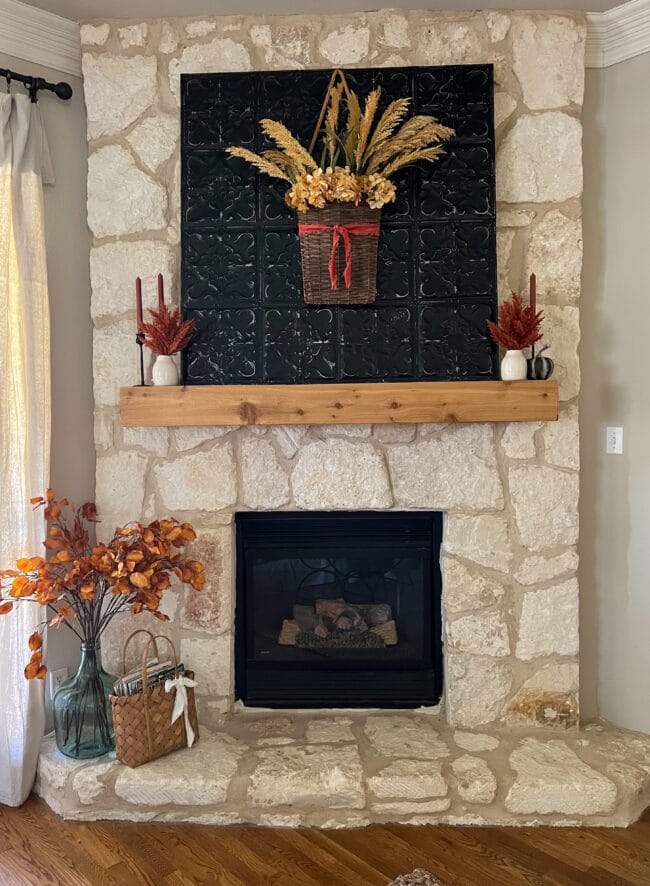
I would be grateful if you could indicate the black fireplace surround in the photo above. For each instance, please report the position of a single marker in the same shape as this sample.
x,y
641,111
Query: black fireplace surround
x,y
366,589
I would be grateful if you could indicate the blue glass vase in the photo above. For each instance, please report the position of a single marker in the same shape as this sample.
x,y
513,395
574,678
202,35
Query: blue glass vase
x,y
83,719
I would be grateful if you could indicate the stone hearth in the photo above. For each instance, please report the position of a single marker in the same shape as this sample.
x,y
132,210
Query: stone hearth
x,y
349,770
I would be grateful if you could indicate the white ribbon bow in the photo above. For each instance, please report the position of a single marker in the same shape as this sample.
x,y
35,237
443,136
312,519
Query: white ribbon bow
x,y
180,703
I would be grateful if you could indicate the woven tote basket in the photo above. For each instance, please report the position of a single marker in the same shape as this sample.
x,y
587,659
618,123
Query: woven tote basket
x,y
143,722
330,255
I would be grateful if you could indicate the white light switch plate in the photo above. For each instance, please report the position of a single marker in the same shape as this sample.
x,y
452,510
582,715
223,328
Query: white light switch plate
x,y
614,441
56,678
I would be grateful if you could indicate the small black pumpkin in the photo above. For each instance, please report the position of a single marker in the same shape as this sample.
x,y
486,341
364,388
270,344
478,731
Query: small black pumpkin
x,y
540,367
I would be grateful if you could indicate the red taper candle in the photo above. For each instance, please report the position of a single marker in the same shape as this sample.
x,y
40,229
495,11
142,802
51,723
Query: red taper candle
x,y
533,293
161,292
138,303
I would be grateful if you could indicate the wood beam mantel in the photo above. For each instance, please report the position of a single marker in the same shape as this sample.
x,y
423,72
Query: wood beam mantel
x,y
399,402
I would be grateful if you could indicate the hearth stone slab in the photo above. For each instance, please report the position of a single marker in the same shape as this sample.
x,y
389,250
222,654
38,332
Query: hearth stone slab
x,y
364,767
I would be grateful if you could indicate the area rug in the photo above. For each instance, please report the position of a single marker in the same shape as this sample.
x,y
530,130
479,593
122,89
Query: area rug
x,y
418,877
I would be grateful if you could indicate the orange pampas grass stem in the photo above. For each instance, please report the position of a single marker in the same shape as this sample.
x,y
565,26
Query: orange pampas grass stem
x,y
518,327
167,333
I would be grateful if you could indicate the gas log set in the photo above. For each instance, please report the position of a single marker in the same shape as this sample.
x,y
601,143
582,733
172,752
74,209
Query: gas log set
x,y
331,624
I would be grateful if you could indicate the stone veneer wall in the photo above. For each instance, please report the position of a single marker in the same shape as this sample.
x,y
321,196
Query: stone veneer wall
x,y
510,492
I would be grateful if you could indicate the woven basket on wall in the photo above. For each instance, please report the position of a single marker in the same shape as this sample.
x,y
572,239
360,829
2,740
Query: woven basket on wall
x,y
143,727
339,262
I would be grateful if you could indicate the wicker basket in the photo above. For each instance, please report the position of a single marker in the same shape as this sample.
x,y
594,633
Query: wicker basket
x,y
338,249
143,727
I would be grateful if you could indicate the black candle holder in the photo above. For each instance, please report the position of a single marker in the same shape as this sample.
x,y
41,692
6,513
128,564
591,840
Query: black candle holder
x,y
139,338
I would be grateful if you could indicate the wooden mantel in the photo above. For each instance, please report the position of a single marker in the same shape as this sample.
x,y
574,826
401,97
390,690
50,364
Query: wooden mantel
x,y
404,402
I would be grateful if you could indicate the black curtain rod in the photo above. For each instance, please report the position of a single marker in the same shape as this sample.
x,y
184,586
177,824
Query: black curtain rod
x,y
33,84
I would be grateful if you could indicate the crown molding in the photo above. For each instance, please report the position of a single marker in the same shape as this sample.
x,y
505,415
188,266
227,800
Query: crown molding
x,y
618,34
40,37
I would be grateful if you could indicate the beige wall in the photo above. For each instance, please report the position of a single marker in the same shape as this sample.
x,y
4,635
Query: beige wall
x,y
68,244
615,489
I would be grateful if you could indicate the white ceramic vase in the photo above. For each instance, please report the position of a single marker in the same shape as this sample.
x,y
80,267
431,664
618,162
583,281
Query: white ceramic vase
x,y
164,371
514,366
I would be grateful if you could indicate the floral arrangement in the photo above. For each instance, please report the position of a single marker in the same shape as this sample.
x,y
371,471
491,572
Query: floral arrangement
x,y
519,325
168,333
85,585
359,153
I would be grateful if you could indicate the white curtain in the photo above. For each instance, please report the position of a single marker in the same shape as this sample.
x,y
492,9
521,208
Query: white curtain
x,y
24,421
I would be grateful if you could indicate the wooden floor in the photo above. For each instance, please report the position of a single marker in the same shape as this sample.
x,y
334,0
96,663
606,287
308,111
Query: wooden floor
x,y
36,847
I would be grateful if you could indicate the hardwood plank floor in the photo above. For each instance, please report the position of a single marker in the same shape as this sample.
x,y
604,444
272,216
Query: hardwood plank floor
x,y
36,847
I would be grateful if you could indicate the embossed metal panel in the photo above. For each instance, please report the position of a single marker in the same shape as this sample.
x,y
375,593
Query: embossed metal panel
x,y
241,277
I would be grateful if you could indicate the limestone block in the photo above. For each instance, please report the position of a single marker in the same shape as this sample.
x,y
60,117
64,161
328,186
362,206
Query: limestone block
x,y
347,45
286,46
400,736
220,55
339,473
406,808
552,778
562,333
113,269
448,42
168,38
498,25
192,437
197,776
562,440
549,621
555,256
201,481
211,610
395,433
518,439
86,782
120,487
540,160
329,731
272,820
103,429
477,689
475,741
323,775
551,43
360,431
154,139
394,30
410,780
275,742
562,677
456,470
289,438
484,539
200,28
465,590
514,218
212,663
476,782
117,90
271,726
115,182
535,569
265,485
505,240
504,105
133,35
545,502
484,633
152,440
94,35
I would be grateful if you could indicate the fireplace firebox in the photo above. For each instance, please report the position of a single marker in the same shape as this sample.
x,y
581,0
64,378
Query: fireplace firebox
x,y
338,609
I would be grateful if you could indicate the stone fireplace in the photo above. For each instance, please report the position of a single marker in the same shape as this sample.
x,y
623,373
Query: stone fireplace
x,y
508,492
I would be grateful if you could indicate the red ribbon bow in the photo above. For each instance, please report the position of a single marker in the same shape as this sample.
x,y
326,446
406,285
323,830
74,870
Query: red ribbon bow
x,y
341,232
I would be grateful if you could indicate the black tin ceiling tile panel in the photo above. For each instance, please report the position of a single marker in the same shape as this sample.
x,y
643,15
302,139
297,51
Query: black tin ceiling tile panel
x,y
241,277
